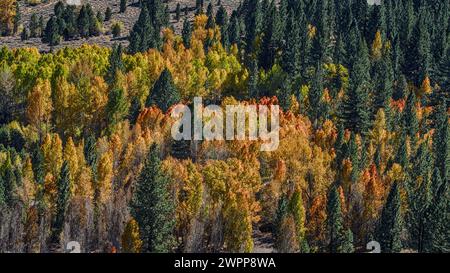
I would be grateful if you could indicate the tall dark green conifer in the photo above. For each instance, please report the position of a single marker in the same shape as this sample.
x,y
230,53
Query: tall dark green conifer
x,y
253,24
410,122
291,62
390,227
272,37
115,63
420,196
116,108
355,109
152,206
62,202
441,140
437,231
51,33
253,89
164,93
316,110
123,6
335,223
186,33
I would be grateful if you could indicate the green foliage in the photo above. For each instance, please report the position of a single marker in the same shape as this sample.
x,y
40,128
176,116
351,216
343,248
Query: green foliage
x,y
355,109
152,206
186,33
123,6
338,240
116,108
391,222
164,93
115,64
62,202
145,34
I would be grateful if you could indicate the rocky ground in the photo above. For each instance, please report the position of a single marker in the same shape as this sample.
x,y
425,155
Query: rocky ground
x,y
128,19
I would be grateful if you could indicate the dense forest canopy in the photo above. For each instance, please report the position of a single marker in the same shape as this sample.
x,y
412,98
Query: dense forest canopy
x,y
86,152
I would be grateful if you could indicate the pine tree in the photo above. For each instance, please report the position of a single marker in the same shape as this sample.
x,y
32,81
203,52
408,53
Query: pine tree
x,y
285,93
441,140
418,59
272,38
144,36
355,109
123,6
164,93
25,35
253,23
153,207
222,22
291,53
420,196
401,88
100,17
90,152
315,97
199,7
70,22
51,33
443,70
17,18
178,12
335,222
34,26
322,40
62,202
377,22
115,64
234,31
253,88
211,23
186,33
222,17
410,122
402,156
116,108
347,244
390,226
83,22
108,14
436,237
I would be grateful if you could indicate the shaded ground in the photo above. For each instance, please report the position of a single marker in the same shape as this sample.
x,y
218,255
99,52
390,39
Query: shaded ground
x,y
263,242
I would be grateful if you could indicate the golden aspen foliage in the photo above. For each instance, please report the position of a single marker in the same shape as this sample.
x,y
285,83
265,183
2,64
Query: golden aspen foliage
x,y
52,150
7,13
105,175
29,187
39,105
131,242
377,46
80,173
425,88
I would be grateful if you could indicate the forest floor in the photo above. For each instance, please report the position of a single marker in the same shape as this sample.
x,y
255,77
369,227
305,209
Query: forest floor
x,y
128,18
263,242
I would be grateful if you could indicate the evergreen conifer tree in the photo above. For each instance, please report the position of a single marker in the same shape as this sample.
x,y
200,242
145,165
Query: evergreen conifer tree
x,y
153,207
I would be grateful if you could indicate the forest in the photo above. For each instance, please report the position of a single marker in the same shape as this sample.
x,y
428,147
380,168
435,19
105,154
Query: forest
x,y
87,155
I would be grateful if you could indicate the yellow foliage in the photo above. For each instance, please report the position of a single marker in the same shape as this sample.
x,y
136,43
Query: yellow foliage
x,y
377,46
131,242
105,175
